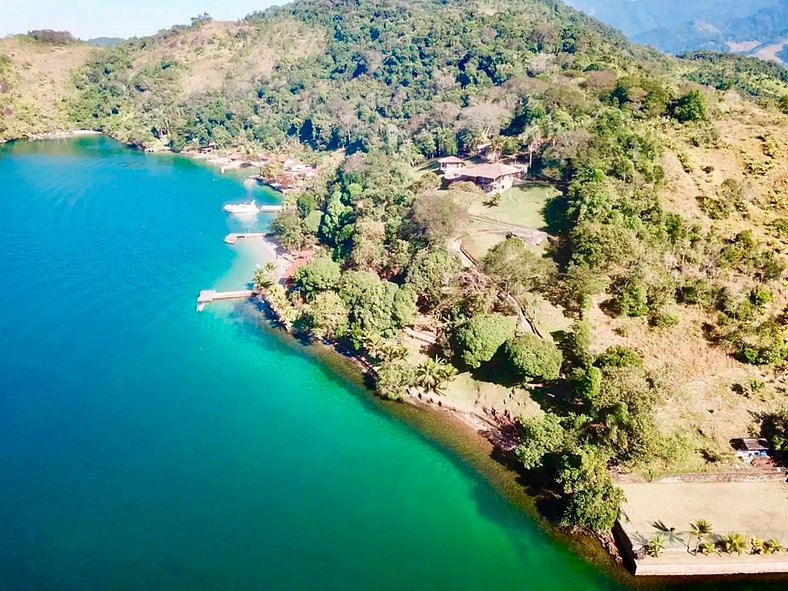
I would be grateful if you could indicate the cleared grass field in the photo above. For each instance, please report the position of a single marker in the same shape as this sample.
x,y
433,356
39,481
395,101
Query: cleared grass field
x,y
469,395
519,206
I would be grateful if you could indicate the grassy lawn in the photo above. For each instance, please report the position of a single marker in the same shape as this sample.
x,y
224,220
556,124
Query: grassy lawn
x,y
549,318
520,206
478,245
416,172
469,394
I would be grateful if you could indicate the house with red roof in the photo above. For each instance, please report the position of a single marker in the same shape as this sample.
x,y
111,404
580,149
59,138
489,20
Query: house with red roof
x,y
492,178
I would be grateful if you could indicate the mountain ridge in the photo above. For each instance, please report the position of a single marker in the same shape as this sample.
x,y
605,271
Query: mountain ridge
x,y
753,28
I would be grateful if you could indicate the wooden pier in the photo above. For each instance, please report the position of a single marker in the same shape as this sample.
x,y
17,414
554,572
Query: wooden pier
x,y
233,238
208,296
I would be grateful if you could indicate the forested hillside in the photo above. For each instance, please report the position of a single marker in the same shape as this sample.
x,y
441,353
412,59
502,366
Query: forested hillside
x,y
363,65
667,242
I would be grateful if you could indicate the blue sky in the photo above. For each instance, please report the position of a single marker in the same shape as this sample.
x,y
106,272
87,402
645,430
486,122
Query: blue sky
x,y
116,18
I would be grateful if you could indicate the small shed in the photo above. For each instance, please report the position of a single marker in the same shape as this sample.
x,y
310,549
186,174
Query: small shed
x,y
748,449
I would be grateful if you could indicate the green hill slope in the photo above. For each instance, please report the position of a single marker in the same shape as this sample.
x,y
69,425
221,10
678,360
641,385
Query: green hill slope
x,y
36,84
375,62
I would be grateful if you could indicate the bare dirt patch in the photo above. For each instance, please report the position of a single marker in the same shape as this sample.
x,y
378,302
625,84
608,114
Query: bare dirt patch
x,y
770,51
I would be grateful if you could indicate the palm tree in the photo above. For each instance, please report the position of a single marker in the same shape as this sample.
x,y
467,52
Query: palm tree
x,y
434,374
534,138
707,548
671,533
495,149
383,350
772,546
656,545
392,351
263,277
700,528
734,542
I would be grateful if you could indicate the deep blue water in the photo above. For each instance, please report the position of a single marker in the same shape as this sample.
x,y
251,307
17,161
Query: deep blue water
x,y
146,446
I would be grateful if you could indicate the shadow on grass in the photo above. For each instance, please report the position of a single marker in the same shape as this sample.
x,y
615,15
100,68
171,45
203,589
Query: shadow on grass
x,y
497,371
556,215
430,166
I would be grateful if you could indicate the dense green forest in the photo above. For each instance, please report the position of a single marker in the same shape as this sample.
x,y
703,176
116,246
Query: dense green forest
x,y
395,83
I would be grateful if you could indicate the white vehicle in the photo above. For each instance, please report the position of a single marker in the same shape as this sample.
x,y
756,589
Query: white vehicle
x,y
249,208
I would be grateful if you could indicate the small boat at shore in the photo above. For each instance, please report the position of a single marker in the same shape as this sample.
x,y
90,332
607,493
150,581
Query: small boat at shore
x,y
249,208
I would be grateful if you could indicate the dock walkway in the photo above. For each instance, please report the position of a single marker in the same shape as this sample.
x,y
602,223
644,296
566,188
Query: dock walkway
x,y
270,208
235,237
208,296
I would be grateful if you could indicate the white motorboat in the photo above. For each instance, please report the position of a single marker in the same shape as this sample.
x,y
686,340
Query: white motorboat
x,y
249,208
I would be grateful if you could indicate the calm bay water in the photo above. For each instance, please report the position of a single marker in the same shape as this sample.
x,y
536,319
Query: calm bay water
x,y
145,446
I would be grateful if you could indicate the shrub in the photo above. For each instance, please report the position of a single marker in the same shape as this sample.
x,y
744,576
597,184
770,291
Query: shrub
x,y
695,291
320,274
539,436
693,106
782,103
619,356
534,358
394,378
328,316
311,223
630,297
588,382
765,345
403,310
716,209
774,427
437,217
53,37
593,500
780,226
289,229
377,309
480,338
663,320
430,272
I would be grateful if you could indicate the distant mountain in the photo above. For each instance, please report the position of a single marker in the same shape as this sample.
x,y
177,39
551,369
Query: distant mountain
x,y
105,41
635,17
755,27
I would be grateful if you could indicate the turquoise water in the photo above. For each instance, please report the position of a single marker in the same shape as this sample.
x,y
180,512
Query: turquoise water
x,y
144,446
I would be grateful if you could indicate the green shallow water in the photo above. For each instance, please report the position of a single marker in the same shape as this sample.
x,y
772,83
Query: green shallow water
x,y
145,446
